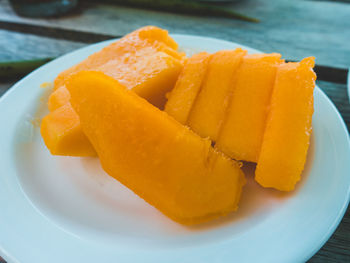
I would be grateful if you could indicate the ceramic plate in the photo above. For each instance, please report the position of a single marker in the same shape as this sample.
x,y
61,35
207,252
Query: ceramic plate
x,y
63,209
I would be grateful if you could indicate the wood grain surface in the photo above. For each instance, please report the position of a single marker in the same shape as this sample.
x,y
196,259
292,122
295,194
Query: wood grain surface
x,y
18,46
296,29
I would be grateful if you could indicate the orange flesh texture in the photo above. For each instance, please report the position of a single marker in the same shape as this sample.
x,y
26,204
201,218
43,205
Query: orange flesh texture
x,y
61,130
159,159
287,135
58,98
183,95
144,37
145,61
148,73
210,106
243,129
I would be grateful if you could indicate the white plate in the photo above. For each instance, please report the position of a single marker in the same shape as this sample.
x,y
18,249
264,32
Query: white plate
x,y
61,209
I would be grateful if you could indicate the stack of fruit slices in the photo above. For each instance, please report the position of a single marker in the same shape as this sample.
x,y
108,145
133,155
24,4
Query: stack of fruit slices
x,y
145,61
254,108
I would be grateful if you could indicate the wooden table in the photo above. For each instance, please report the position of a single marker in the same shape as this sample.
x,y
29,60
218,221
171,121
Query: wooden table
x,y
296,29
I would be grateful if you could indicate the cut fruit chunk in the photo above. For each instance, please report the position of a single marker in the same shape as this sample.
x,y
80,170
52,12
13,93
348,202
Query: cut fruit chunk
x,y
161,160
183,95
145,37
145,61
150,74
62,133
209,108
287,135
243,129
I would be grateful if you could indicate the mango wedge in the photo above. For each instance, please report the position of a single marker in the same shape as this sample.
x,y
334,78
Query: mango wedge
x,y
68,134
159,159
210,106
61,130
287,135
148,72
144,40
187,87
145,61
243,129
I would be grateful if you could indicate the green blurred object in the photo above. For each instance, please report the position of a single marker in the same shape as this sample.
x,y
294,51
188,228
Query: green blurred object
x,y
13,69
182,6
43,8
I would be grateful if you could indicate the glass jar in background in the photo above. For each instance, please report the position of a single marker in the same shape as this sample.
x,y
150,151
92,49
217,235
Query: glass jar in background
x,y
42,8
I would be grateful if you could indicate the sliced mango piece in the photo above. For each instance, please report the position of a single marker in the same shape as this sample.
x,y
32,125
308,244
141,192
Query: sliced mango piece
x,y
58,98
62,133
183,95
243,129
209,108
145,61
153,33
148,36
287,135
159,159
150,74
